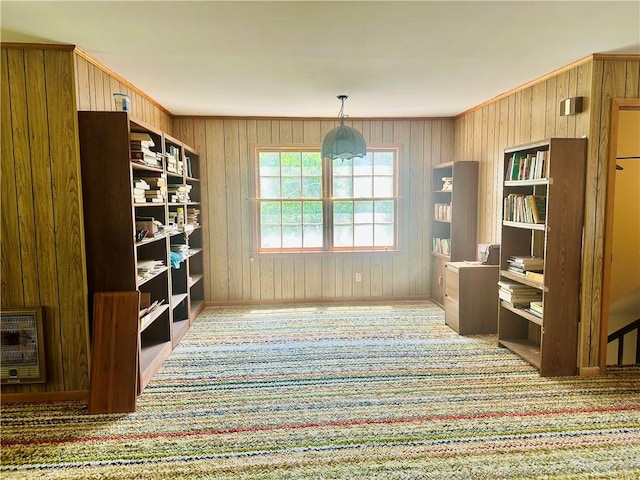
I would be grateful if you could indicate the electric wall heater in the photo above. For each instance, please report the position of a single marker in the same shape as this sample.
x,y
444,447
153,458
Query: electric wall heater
x,y
22,348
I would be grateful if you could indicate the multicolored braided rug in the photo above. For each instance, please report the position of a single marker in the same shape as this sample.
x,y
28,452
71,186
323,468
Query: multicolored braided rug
x,y
375,391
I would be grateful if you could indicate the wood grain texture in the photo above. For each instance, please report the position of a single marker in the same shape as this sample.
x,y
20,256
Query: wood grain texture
x,y
70,253
44,212
114,367
11,294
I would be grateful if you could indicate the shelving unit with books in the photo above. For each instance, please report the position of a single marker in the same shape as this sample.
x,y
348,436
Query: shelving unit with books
x,y
539,285
454,188
134,182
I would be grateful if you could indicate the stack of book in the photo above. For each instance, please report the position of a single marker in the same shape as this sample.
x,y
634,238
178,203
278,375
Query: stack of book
x,y
522,265
518,295
149,189
535,308
179,193
148,268
140,186
447,184
192,216
141,144
174,163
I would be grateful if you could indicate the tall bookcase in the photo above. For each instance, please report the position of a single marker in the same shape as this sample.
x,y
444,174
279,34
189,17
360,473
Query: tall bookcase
x,y
548,342
123,197
454,219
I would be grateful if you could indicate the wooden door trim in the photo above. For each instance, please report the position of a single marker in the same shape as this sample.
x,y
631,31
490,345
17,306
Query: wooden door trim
x,y
617,104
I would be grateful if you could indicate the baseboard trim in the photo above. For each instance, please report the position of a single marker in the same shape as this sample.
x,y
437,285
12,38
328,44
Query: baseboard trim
x,y
289,301
42,397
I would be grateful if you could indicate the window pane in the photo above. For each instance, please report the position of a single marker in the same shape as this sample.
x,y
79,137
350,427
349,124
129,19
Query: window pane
x,y
363,212
270,187
383,235
312,213
312,236
342,187
343,236
384,212
269,163
363,165
362,187
343,212
363,235
291,187
291,236
292,213
383,186
270,236
270,213
383,163
311,187
311,164
291,163
291,204
343,167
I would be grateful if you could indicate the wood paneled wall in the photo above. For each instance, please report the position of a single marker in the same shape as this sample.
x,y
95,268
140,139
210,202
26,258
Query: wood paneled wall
x,y
43,260
43,257
234,274
532,113
95,86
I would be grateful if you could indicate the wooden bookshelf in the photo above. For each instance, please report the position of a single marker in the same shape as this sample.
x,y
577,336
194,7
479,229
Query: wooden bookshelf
x,y
114,201
549,343
455,223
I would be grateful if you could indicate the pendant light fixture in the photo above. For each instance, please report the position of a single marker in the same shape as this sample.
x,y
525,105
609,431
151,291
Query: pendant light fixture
x,y
343,141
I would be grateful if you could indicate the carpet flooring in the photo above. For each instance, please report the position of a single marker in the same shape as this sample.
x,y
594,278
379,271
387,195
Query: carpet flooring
x,y
372,391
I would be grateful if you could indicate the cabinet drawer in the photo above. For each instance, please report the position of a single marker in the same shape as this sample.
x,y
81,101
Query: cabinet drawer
x,y
451,314
451,282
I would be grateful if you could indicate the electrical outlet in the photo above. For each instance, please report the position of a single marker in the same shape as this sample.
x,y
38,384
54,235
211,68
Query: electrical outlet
x,y
358,277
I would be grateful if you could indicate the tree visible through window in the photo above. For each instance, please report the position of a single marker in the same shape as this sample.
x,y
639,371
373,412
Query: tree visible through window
x,y
304,204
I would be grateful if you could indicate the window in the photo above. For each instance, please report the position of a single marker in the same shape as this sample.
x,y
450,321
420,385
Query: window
x,y
304,204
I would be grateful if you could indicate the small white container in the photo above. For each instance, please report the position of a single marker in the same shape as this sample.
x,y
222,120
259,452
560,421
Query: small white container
x,y
123,101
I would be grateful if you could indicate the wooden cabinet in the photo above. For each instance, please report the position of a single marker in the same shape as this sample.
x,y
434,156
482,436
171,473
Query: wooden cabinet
x,y
554,234
142,234
454,203
471,294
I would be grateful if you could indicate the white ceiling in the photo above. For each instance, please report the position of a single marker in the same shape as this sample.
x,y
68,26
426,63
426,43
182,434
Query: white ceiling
x,y
393,59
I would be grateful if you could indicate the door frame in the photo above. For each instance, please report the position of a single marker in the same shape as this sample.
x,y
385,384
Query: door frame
x,y
617,104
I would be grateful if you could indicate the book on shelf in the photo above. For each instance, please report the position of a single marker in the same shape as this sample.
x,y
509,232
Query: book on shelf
x,y
442,212
525,208
527,263
441,245
447,184
517,294
527,166
535,276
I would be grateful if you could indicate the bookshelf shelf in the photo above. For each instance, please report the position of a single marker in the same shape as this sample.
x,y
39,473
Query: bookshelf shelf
x,y
550,342
112,147
522,312
453,219
518,277
528,226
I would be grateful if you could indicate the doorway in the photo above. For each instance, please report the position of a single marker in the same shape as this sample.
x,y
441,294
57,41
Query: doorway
x,y
621,260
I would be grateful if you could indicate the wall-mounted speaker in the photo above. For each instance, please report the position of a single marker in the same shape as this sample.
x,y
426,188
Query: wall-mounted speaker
x,y
22,345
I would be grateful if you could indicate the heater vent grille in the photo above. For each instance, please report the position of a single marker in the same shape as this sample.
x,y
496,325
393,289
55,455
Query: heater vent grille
x,y
21,350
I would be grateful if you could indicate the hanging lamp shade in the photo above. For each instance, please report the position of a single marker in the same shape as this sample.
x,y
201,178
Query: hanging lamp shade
x,y
343,141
